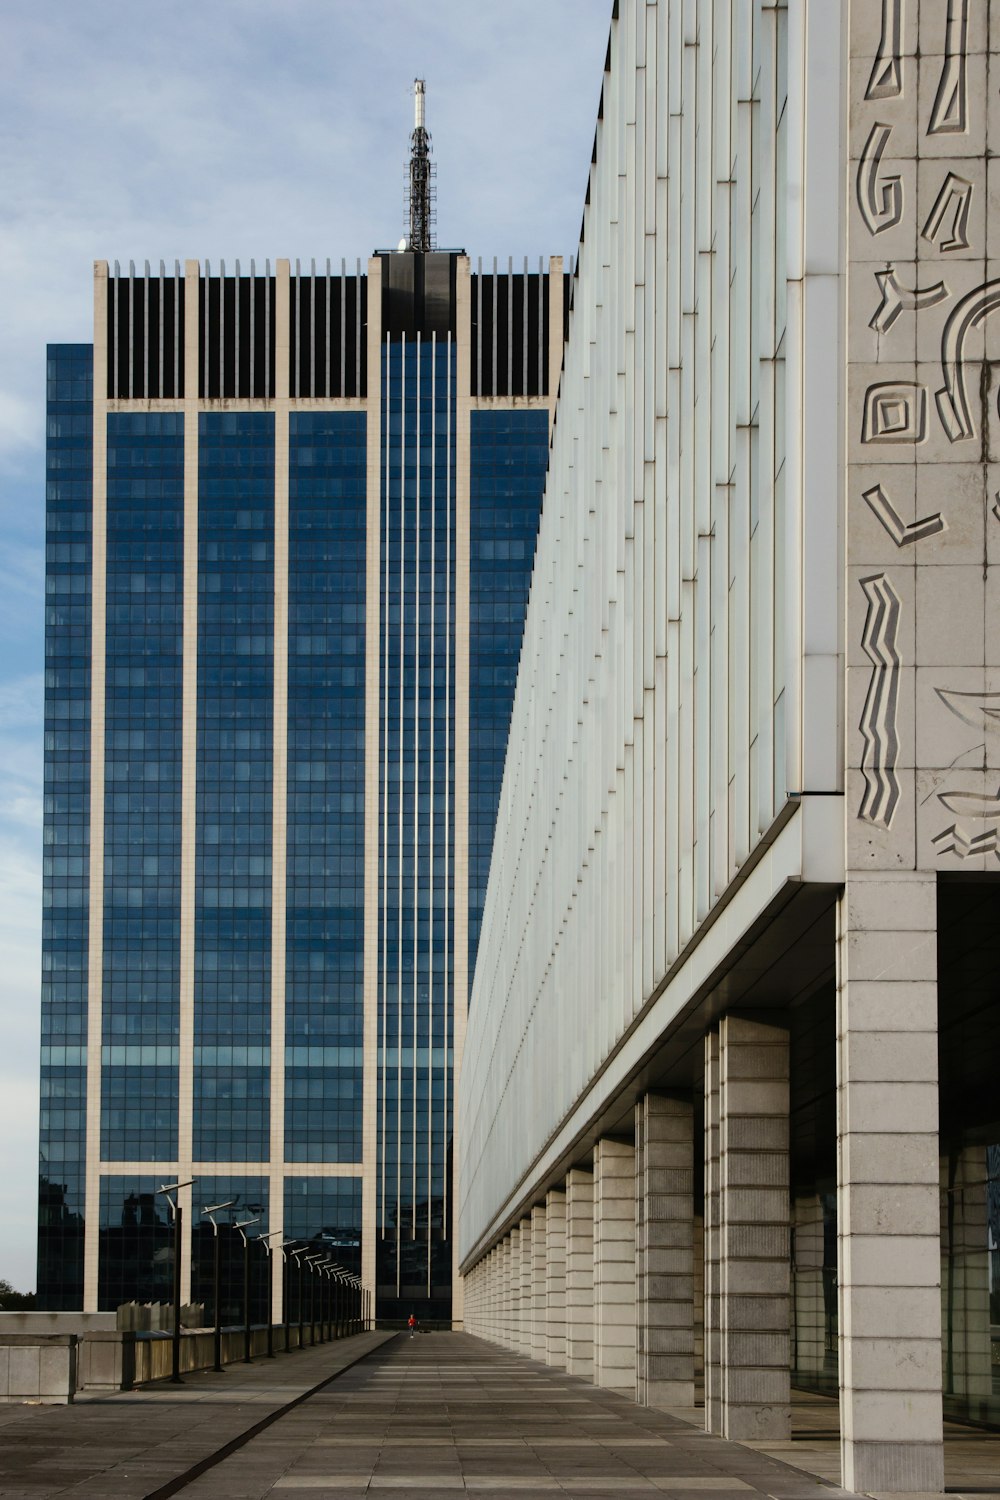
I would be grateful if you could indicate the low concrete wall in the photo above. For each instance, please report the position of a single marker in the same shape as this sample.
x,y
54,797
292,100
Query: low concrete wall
x,y
56,1322
52,1367
38,1367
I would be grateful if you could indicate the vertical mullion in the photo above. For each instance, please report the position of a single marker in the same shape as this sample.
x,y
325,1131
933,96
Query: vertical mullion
x,y
357,329
399,812
479,328
222,328
131,328
329,332
343,333
253,326
180,388
524,330
416,771
384,970
543,278
446,988
206,320
312,337
510,325
430,788
267,329
493,340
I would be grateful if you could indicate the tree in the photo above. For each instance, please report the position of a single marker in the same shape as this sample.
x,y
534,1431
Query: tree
x,y
12,1301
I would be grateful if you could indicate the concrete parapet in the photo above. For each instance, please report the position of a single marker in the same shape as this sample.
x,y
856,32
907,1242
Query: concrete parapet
x,y
38,1367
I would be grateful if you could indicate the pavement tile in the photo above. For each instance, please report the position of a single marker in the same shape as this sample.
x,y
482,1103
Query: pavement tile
x,y
435,1415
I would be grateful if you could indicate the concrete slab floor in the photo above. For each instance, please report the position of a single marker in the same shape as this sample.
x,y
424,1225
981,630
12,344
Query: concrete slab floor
x,y
429,1416
971,1455
447,1413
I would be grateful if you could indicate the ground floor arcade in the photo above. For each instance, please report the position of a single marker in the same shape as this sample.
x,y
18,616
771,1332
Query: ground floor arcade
x,y
798,1188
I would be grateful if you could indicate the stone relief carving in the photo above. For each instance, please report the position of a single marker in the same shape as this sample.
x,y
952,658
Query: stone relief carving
x,y
950,101
903,535
886,81
881,203
972,804
950,208
895,412
959,840
981,710
953,400
896,299
878,718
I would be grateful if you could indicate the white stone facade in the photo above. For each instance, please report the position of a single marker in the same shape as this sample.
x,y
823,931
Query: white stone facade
x,y
756,723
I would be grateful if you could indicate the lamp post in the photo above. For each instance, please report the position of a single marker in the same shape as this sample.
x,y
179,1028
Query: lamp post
x,y
245,1224
287,1249
338,1281
209,1213
311,1263
265,1239
172,1193
297,1255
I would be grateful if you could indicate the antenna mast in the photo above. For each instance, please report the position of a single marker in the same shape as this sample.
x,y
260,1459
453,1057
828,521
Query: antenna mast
x,y
421,235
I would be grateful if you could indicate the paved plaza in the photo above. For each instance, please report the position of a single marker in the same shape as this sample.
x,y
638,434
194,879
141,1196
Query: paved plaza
x,y
432,1415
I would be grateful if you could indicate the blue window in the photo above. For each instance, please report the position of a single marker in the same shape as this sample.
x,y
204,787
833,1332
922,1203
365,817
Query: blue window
x,y
66,866
142,799
509,454
326,787
234,786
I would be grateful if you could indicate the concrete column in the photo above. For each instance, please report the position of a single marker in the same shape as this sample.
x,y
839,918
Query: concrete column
x,y
555,1278
809,1322
698,1307
754,1282
538,1247
580,1273
664,1283
965,1294
503,1253
524,1301
888,1191
507,1295
614,1265
514,1301
711,1237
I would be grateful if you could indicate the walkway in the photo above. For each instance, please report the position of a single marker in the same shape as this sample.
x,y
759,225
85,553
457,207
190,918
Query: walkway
x,y
428,1416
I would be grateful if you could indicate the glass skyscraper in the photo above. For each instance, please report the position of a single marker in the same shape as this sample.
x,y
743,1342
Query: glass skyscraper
x,y
290,527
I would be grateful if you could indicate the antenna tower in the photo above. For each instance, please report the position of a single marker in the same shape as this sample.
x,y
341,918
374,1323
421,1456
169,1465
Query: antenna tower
x,y
421,186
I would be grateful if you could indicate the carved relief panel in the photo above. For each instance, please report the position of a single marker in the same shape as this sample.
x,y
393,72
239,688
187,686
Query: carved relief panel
x,y
923,499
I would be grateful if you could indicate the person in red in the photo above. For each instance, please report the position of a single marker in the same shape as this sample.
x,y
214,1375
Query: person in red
x,y
411,1323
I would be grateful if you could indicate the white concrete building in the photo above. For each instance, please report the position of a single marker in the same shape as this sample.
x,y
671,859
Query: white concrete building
x,y
728,1110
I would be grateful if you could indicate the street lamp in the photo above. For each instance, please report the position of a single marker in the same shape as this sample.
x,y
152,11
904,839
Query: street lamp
x,y
172,1192
287,1249
210,1212
297,1255
264,1238
310,1261
339,1275
245,1224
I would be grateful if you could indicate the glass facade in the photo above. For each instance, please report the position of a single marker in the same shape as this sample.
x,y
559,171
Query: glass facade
x,y
416,897
232,964
136,1257
190,874
324,936
142,786
249,1199
508,457
326,1212
65,867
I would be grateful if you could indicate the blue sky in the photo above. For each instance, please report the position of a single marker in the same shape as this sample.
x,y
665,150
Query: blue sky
x,y
231,128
